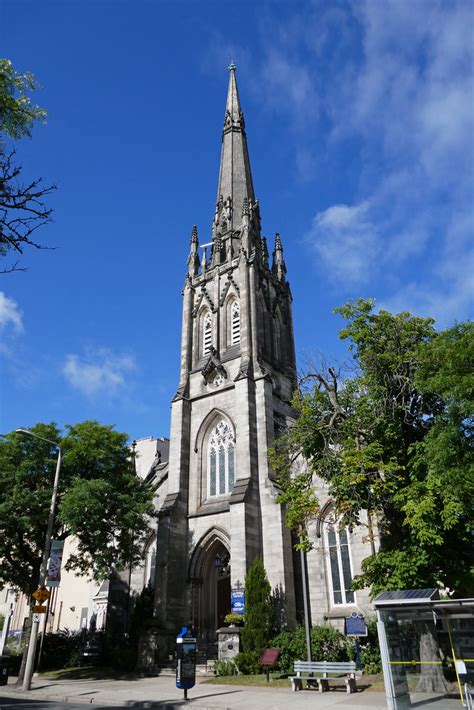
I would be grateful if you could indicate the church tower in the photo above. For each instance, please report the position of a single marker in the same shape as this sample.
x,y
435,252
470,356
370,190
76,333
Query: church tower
x,y
237,377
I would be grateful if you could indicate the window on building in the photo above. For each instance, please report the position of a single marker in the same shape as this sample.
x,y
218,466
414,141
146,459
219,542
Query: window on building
x,y
207,334
339,563
221,460
235,323
150,563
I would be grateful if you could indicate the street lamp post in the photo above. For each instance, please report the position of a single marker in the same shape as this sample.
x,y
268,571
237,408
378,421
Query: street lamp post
x,y
30,659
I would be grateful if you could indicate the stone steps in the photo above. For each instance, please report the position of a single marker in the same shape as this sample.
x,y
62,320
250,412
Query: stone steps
x,y
203,669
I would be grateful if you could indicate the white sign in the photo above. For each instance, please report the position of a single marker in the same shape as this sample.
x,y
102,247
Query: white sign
x,y
36,618
461,668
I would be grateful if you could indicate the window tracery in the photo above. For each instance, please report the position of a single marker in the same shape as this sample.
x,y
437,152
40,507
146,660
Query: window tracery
x,y
221,460
337,542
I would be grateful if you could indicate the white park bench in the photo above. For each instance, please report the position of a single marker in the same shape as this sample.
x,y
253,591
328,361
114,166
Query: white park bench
x,y
321,672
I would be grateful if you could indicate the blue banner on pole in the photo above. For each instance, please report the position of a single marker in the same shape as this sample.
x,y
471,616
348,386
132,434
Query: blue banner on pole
x,y
238,602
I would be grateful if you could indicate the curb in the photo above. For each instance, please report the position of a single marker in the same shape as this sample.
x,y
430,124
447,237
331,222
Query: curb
x,y
80,700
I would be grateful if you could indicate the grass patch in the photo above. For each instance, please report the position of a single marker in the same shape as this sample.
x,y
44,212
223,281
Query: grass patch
x,y
276,680
370,682
89,673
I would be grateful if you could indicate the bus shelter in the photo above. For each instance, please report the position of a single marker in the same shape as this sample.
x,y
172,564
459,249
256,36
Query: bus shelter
x,y
427,649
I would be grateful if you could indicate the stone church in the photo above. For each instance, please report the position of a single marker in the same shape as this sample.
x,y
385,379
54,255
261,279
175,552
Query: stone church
x,y
216,494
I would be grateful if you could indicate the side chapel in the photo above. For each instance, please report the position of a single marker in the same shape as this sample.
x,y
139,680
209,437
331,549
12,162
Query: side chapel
x,y
217,494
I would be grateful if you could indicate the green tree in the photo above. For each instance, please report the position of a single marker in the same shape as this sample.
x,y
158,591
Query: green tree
x,y
258,609
101,502
22,209
392,437
17,113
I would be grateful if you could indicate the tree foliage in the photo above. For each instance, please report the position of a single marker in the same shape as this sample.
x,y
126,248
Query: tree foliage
x,y
22,206
258,609
392,438
101,501
17,113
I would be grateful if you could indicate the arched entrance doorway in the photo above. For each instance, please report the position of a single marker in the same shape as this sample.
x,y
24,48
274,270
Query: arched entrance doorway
x,y
210,579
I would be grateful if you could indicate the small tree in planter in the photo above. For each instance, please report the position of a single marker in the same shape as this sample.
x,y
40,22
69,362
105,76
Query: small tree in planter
x,y
258,609
234,619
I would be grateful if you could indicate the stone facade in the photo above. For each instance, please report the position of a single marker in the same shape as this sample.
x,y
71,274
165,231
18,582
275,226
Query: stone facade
x,y
236,381
217,495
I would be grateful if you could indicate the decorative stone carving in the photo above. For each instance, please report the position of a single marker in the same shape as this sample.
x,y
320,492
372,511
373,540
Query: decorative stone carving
x,y
213,368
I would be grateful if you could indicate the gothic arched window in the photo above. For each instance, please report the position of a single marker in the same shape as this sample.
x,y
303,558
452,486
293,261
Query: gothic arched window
x,y
337,543
235,323
206,333
150,562
221,460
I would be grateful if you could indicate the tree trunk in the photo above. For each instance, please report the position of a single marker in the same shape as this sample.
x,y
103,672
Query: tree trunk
x,y
432,678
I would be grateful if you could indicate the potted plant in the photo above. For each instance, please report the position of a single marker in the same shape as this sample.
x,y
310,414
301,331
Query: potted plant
x,y
234,619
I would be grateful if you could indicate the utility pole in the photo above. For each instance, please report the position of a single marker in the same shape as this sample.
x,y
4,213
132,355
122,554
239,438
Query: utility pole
x,y
30,659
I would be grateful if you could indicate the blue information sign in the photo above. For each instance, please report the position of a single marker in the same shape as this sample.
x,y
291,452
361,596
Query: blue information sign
x,y
238,602
355,625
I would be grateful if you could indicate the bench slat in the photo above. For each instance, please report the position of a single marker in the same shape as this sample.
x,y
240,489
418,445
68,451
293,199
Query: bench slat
x,y
314,665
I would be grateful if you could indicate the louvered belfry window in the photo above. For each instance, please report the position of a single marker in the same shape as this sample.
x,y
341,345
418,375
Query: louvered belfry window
x,y
207,334
235,323
221,460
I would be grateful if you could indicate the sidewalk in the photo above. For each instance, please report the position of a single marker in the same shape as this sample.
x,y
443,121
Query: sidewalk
x,y
162,693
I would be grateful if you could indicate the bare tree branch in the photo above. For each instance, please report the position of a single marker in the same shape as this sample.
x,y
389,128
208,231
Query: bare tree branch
x,y
22,209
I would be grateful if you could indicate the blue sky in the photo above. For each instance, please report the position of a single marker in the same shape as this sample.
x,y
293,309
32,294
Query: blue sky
x,y
360,127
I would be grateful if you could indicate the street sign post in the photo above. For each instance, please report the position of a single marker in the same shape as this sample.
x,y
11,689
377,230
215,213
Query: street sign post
x,y
268,659
41,595
38,609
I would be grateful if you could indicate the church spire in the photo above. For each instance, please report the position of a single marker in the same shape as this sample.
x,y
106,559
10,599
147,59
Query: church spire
x,y
235,177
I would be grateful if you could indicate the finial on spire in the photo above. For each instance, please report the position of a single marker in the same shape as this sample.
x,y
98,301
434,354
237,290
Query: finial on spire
x,y
265,252
232,66
193,258
278,265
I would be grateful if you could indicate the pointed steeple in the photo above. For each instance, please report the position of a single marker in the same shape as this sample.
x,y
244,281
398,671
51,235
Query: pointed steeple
x,y
193,258
278,265
235,177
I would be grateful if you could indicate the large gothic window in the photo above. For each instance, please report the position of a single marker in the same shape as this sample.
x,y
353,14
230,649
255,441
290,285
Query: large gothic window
x,y
206,333
235,323
339,562
150,562
221,460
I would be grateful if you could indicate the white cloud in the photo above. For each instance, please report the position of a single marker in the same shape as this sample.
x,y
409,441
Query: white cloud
x,y
386,90
98,371
345,242
10,314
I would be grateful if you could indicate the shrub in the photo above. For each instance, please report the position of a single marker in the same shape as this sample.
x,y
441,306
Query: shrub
x,y
15,653
225,668
234,619
258,609
62,649
327,644
248,663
